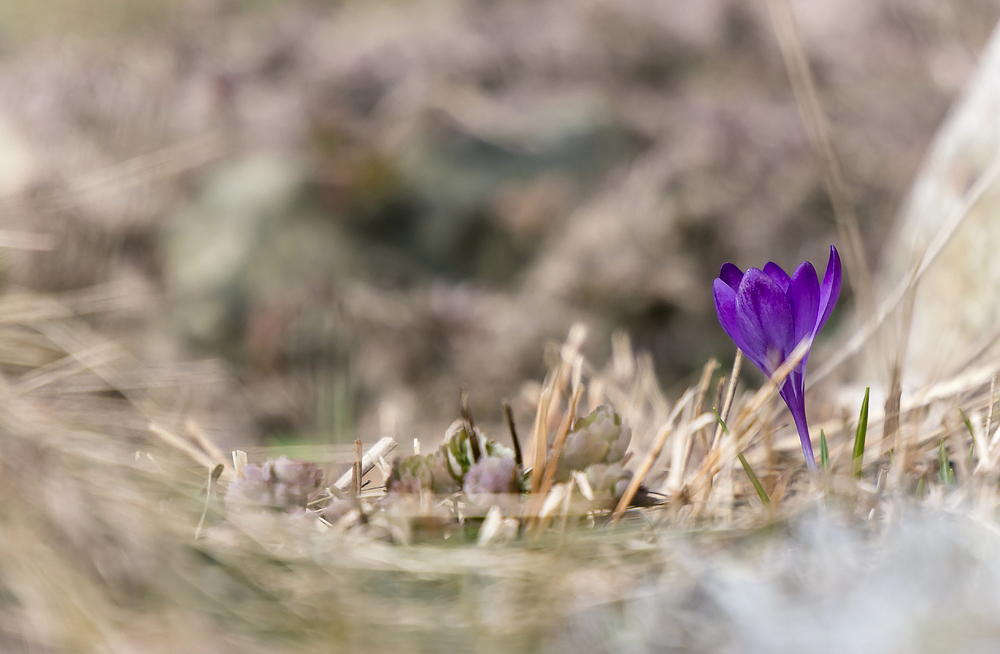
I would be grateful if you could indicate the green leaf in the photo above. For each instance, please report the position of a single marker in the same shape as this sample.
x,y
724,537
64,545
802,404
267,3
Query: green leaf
x,y
859,438
761,493
945,473
720,421
968,423
824,452
972,447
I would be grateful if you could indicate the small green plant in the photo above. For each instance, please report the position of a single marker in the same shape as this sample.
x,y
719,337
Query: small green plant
x,y
945,472
719,420
761,493
858,456
824,452
972,435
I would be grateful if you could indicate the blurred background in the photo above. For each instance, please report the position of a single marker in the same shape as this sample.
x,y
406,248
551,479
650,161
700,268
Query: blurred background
x,y
321,219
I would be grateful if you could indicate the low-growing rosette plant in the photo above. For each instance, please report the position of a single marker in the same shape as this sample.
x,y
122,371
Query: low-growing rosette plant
x,y
768,314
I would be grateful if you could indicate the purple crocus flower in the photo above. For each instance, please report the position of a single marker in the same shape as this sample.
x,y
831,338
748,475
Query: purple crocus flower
x,y
767,314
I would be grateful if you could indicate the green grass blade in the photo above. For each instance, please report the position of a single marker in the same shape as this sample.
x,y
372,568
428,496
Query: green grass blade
x,y
719,419
945,473
972,448
859,438
968,423
824,452
761,493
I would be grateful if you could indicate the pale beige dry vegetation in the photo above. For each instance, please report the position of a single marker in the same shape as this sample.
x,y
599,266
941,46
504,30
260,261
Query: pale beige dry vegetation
x,y
273,228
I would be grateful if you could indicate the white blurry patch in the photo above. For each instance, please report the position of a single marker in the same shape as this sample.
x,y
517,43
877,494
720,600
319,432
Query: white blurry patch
x,y
553,499
584,485
928,583
18,167
496,529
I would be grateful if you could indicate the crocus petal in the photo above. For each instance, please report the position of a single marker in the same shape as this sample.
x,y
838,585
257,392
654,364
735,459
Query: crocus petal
x,y
725,307
803,292
830,289
777,275
765,320
731,275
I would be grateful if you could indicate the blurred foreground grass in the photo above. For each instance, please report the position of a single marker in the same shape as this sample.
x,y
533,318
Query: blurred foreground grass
x,y
113,541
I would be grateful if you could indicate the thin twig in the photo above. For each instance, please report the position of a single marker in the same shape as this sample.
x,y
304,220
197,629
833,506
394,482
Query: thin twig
x,y
378,451
800,75
470,426
508,415
734,377
213,474
356,472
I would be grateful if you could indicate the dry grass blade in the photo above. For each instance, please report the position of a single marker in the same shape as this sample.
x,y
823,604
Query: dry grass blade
x,y
654,452
567,368
213,475
203,441
817,126
97,356
539,433
379,450
556,454
508,416
734,377
684,437
197,455
704,383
